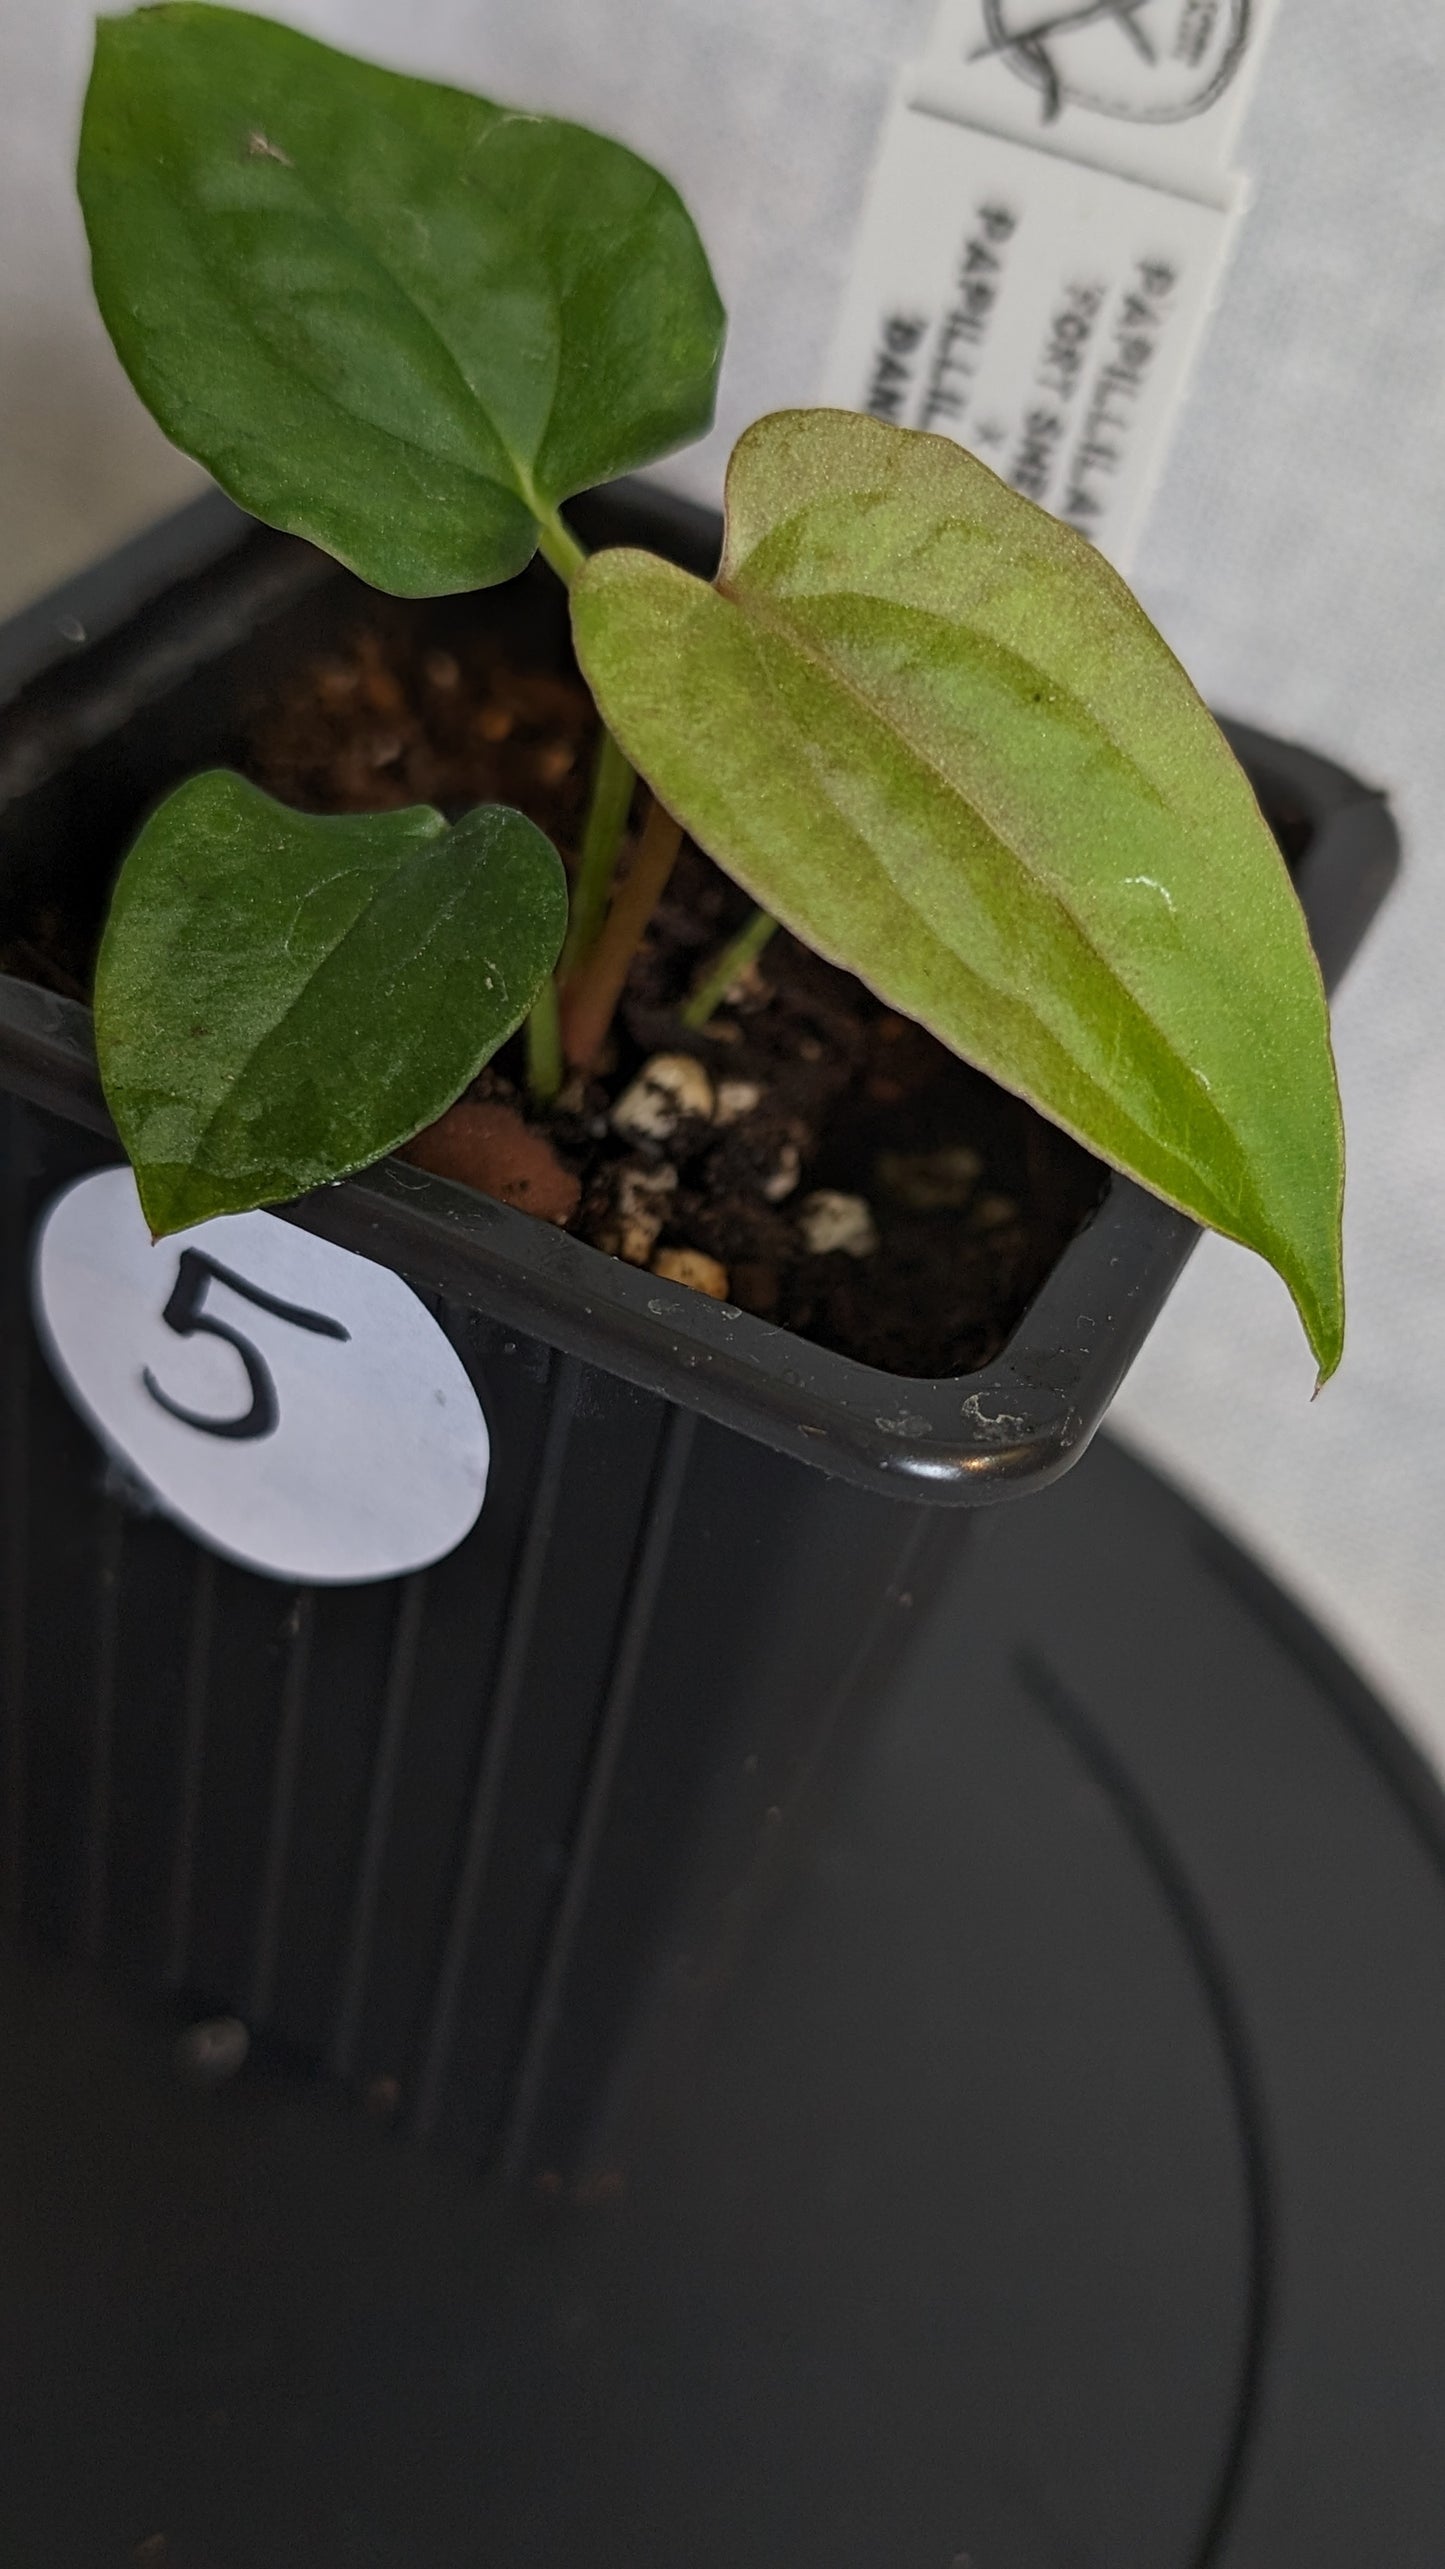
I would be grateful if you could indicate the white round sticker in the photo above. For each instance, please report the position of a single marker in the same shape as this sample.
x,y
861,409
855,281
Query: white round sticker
x,y
293,1406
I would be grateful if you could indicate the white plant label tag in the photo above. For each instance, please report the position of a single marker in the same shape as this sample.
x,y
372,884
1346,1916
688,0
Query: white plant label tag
x,y
294,1407
1043,238
1042,313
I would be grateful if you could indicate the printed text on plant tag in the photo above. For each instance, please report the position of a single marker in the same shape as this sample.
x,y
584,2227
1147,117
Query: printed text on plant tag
x,y
1042,313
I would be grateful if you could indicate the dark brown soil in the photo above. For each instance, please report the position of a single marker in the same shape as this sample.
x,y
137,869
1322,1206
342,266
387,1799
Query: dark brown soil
x,y
972,1195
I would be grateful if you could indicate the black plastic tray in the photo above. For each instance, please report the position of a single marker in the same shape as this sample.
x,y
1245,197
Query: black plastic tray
x,y
1047,2178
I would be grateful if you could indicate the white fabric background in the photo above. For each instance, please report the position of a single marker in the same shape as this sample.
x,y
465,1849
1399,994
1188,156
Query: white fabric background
x,y
1296,559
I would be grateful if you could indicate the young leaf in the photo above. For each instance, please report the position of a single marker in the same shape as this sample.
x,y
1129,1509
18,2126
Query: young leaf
x,y
386,315
280,999
931,730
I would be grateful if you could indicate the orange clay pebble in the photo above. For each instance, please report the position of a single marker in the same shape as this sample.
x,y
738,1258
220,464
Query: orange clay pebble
x,y
484,1145
380,685
337,682
691,1267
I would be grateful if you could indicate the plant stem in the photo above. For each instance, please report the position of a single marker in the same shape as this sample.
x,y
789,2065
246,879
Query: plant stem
x,y
610,799
731,964
600,942
613,778
591,996
544,1044
559,546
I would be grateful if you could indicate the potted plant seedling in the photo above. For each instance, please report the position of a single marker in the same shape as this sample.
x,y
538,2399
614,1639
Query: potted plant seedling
x,y
924,726
743,929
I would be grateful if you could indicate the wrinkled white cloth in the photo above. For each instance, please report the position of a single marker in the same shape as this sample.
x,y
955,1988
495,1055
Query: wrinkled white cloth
x,y
1295,557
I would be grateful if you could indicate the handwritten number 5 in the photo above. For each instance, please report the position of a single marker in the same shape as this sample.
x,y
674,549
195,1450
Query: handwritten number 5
x,y
186,1314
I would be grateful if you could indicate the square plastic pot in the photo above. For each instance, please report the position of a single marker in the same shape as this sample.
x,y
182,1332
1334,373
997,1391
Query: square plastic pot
x,y
436,1834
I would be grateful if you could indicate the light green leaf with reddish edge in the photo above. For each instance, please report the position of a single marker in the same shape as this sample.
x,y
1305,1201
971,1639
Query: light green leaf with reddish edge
x,y
385,314
282,998
930,728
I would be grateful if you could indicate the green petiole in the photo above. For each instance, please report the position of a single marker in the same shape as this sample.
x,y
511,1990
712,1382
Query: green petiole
x,y
613,778
713,989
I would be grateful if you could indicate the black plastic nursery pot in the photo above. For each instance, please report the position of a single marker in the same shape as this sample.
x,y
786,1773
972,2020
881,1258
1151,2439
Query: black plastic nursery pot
x,y
439,1834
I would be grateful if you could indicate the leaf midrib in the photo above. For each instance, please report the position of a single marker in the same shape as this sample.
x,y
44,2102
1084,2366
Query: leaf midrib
x,y
732,580
444,911
324,211
748,607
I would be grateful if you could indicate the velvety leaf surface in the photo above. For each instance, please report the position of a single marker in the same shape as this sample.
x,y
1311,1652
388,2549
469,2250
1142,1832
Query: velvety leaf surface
x,y
281,999
385,314
931,729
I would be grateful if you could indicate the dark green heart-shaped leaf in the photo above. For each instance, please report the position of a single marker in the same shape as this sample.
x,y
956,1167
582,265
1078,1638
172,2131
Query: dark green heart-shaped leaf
x,y
384,314
931,729
280,999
